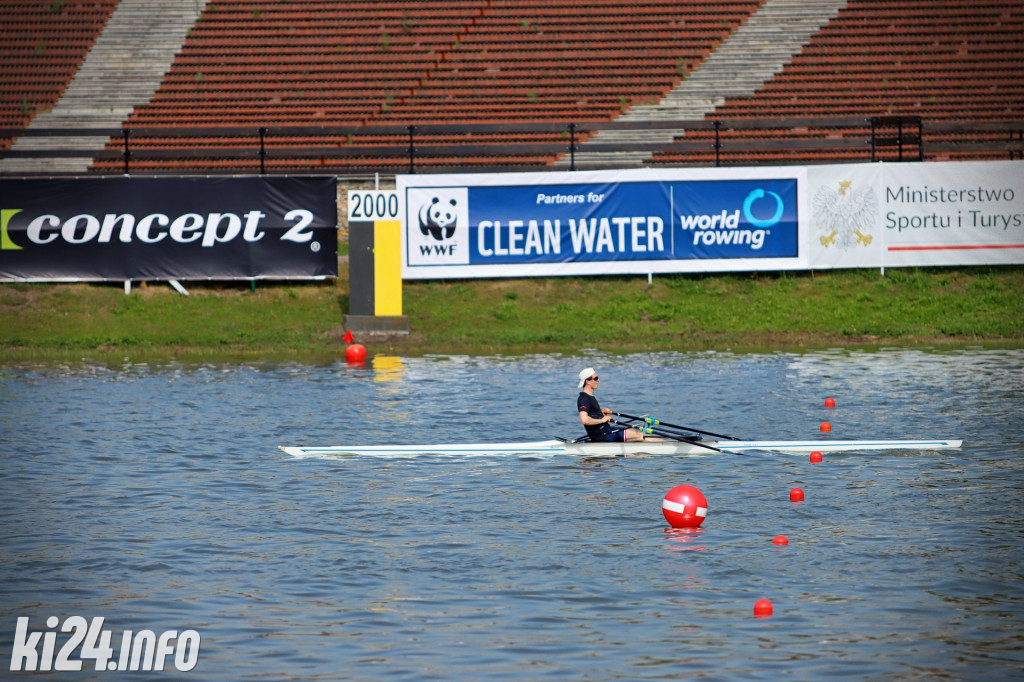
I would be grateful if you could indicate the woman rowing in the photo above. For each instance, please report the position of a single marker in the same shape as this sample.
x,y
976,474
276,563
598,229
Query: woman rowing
x,y
596,421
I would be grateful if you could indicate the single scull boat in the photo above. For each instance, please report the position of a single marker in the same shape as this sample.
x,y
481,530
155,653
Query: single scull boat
x,y
587,449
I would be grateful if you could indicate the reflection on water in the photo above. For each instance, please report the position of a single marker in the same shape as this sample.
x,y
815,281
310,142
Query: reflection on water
x,y
155,496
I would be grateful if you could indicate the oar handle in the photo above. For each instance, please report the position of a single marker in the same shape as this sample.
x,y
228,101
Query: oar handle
x,y
675,426
674,436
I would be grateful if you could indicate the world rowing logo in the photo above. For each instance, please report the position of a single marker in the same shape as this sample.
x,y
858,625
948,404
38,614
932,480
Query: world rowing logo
x,y
756,196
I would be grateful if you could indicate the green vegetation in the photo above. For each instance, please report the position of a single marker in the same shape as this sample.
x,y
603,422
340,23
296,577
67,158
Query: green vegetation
x,y
942,307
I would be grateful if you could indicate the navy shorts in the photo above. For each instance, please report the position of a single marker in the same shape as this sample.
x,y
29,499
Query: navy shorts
x,y
613,436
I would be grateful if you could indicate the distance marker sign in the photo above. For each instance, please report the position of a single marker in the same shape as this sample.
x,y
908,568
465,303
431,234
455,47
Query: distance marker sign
x,y
375,257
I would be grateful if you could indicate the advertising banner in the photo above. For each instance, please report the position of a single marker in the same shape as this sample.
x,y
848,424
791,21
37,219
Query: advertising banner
x,y
602,222
917,214
89,229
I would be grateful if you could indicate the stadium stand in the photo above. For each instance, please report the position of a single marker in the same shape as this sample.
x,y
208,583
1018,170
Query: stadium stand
x,y
943,62
389,63
42,44
372,85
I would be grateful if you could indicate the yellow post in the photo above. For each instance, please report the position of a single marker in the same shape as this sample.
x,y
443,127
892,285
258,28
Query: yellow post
x,y
387,267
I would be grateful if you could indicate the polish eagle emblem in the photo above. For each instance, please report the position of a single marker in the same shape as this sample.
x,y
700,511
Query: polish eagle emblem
x,y
845,216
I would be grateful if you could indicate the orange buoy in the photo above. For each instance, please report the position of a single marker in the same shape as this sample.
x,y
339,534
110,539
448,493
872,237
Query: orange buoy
x,y
825,427
796,495
830,402
780,540
355,354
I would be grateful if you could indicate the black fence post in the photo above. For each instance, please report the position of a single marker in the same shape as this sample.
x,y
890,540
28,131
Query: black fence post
x,y
872,119
412,150
263,151
127,153
718,143
572,146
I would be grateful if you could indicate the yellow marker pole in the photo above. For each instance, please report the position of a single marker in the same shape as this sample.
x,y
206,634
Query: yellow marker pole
x,y
387,267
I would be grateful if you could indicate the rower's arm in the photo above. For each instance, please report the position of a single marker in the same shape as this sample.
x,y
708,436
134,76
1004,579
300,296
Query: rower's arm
x,y
587,420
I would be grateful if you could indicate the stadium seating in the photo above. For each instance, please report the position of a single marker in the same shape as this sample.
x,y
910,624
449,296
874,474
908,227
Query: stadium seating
x,y
314,63
42,43
357,75
941,60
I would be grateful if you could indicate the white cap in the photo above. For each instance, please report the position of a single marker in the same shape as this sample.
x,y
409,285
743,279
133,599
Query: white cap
x,y
586,374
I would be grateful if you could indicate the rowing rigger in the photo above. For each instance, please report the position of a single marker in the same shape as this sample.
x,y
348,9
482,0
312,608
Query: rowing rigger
x,y
589,449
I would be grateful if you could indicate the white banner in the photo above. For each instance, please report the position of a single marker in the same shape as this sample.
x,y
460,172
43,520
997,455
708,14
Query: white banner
x,y
968,213
712,219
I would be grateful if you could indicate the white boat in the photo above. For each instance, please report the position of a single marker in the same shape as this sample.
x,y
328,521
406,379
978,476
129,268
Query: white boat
x,y
586,449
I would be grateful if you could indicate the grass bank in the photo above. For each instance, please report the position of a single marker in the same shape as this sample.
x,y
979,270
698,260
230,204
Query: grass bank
x,y
945,307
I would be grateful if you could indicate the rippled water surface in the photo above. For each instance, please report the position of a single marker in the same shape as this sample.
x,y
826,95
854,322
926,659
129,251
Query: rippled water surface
x,y
156,497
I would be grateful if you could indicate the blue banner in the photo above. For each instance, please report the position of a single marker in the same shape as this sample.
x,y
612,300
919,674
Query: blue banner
x,y
511,223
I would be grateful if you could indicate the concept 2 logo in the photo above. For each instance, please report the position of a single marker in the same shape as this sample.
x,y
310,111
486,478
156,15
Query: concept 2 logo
x,y
206,230
6,243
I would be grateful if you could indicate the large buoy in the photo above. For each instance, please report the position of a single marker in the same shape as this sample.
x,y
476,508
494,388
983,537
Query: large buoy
x,y
684,507
355,354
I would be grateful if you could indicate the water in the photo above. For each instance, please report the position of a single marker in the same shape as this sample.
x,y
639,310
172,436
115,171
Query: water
x,y
155,496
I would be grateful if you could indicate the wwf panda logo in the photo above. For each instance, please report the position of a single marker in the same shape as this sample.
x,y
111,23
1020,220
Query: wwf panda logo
x,y
438,218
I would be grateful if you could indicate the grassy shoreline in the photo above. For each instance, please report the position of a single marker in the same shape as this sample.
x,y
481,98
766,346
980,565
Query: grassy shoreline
x,y
938,307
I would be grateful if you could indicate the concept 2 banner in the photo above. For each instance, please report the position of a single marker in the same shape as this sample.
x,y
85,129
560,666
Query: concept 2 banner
x,y
602,222
88,229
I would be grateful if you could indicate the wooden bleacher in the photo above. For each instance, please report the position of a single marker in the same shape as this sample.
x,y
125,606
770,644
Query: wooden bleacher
x,y
42,44
941,60
368,64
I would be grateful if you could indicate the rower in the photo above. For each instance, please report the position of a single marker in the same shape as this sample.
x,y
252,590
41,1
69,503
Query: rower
x,y
595,420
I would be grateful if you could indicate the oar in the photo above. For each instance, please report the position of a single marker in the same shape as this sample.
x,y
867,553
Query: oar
x,y
655,422
660,432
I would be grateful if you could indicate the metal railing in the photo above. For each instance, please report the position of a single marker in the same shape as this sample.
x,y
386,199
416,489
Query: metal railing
x,y
416,147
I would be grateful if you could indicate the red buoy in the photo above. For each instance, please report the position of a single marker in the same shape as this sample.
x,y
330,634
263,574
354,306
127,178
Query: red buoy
x,y
355,354
780,540
762,608
815,457
830,402
684,507
826,427
796,495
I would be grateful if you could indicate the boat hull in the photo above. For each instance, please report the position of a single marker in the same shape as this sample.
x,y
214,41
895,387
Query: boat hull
x,y
558,447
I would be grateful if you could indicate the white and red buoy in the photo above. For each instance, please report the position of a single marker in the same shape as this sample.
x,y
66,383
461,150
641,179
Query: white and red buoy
x,y
684,507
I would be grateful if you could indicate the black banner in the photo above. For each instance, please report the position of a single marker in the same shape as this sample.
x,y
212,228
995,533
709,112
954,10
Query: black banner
x,y
89,229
